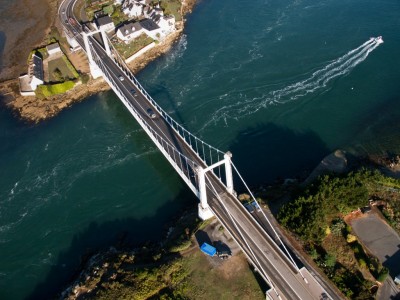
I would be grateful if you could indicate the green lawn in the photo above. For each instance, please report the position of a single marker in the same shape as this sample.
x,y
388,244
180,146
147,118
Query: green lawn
x,y
172,7
65,70
54,89
127,50
233,281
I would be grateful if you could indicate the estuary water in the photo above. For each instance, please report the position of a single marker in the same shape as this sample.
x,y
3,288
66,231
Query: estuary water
x,y
280,84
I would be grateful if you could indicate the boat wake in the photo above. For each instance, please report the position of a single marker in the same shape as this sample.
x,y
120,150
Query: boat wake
x,y
317,81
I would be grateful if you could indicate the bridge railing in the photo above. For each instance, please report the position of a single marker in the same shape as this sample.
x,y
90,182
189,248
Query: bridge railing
x,y
207,153
182,164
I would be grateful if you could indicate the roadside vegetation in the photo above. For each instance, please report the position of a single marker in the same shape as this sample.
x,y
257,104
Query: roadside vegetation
x,y
177,270
317,216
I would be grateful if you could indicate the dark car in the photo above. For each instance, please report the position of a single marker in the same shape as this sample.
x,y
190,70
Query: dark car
x,y
249,207
133,92
151,113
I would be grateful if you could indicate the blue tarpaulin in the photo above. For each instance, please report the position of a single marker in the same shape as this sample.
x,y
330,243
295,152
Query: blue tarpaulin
x,y
208,249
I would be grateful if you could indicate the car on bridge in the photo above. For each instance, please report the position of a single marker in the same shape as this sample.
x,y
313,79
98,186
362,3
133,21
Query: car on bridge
x,y
121,78
256,205
151,113
133,92
249,207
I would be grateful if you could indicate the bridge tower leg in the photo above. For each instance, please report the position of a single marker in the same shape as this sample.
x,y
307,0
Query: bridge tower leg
x,y
94,69
105,41
228,172
204,209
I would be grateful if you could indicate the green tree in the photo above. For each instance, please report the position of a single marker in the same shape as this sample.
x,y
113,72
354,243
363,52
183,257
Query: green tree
x,y
330,260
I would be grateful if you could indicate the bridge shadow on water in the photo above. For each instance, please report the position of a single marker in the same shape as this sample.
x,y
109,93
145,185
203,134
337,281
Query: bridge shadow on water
x,y
268,152
123,234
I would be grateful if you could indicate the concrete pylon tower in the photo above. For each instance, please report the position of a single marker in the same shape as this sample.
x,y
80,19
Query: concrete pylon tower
x,y
228,172
205,212
94,69
105,41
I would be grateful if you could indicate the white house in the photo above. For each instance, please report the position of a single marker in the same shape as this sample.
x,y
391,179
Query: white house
x,y
151,29
129,31
167,25
29,82
133,10
105,23
36,72
53,49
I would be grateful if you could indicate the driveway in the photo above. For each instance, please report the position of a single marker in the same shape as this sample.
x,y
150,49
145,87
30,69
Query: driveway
x,y
383,242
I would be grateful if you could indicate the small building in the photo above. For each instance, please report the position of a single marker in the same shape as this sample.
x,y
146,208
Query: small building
x,y
72,41
133,10
129,31
208,249
53,49
105,23
36,72
151,29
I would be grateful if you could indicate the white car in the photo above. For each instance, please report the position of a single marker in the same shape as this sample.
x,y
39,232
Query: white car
x,y
121,78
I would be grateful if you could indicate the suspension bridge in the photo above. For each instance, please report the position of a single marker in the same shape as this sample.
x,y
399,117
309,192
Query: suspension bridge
x,y
207,171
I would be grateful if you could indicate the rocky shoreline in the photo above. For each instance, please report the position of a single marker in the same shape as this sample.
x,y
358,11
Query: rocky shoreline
x,y
33,109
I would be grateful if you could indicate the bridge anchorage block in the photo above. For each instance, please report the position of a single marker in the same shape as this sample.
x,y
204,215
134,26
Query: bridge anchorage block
x,y
205,213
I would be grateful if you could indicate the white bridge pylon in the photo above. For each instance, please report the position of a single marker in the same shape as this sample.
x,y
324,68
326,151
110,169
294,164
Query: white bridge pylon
x,y
94,68
204,209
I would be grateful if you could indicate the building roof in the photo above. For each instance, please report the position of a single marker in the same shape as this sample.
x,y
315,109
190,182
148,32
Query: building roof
x,y
149,25
37,65
53,46
105,20
129,28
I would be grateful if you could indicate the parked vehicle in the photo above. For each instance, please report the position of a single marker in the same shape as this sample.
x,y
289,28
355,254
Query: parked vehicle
x,y
397,279
224,254
249,207
151,113
208,249
256,205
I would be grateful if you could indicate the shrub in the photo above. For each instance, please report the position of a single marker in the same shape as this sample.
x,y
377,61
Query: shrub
x,y
314,254
330,260
85,78
383,274
351,238
362,263
337,227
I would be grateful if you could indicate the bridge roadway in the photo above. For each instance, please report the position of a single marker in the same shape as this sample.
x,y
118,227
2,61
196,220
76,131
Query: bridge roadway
x,y
259,248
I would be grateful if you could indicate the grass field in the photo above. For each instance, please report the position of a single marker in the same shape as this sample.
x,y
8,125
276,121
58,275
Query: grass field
x,y
65,68
233,279
127,50
54,89
172,7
